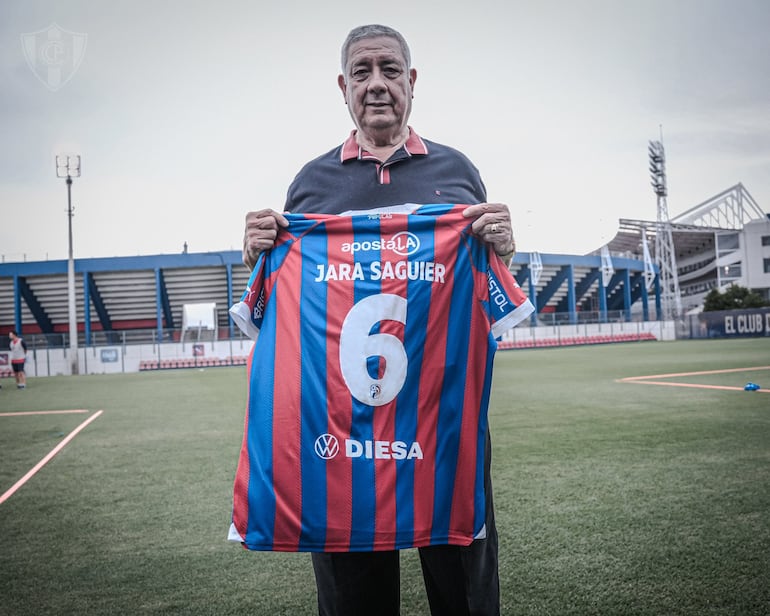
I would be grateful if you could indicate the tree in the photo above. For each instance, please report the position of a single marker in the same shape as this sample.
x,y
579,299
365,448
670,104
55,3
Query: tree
x,y
735,297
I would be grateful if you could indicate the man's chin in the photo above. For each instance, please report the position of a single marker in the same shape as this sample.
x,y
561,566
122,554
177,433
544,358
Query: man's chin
x,y
380,122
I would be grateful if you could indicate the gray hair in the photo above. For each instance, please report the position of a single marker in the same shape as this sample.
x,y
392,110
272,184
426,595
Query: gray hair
x,y
373,31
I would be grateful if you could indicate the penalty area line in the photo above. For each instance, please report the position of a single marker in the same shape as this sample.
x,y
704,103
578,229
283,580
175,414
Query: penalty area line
x,y
693,385
648,380
678,374
10,492
20,413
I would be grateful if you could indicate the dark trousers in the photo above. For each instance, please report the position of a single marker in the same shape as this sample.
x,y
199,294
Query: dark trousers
x,y
459,581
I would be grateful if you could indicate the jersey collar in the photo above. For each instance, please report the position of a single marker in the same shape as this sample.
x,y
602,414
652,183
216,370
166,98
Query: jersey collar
x,y
414,146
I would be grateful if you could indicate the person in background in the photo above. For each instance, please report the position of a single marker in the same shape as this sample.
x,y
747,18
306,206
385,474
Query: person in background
x,y
18,358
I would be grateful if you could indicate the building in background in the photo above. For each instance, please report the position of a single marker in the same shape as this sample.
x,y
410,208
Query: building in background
x,y
724,240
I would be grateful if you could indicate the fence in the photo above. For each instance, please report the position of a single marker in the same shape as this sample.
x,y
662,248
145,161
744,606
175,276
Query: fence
x,y
49,355
137,350
145,349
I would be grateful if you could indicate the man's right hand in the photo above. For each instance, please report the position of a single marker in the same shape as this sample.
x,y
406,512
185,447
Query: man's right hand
x,y
260,233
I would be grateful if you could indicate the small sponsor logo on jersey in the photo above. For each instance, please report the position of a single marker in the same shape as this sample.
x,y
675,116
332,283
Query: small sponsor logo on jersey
x,y
259,305
403,243
496,293
327,447
406,243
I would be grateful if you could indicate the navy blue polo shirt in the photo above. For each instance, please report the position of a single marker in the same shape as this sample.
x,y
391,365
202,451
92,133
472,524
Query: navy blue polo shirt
x,y
349,178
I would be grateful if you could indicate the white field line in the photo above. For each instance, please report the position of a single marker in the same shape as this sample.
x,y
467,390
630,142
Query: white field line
x,y
10,492
693,385
647,380
20,413
677,374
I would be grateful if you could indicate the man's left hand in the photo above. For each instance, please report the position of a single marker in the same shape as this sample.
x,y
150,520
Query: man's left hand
x,y
493,225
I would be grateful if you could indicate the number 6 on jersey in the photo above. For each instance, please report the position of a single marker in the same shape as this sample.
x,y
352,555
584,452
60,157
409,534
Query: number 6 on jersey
x,y
357,345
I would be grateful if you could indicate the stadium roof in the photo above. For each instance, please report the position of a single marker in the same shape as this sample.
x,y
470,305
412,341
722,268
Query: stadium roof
x,y
687,238
694,229
730,209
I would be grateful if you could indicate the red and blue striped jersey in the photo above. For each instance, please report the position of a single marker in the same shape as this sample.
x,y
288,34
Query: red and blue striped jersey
x,y
369,381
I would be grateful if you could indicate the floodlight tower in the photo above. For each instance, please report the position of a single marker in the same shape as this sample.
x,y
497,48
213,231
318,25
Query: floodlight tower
x,y
68,166
671,301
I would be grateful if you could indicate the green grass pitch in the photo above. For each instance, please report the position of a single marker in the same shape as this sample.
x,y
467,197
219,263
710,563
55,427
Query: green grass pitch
x,y
612,498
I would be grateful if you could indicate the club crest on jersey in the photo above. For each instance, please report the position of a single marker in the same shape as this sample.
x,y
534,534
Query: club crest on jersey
x,y
374,391
403,243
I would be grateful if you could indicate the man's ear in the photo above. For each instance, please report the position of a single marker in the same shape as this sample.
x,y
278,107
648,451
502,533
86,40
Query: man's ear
x,y
343,87
412,78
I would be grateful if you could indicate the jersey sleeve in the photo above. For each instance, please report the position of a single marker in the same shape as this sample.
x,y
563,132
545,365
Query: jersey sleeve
x,y
248,313
508,305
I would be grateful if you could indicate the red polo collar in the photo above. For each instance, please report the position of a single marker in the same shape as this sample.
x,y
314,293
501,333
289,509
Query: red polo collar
x,y
351,150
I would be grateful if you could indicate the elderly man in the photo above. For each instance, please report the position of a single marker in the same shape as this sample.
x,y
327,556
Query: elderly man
x,y
383,163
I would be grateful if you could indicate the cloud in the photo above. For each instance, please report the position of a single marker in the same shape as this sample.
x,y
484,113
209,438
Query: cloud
x,y
188,114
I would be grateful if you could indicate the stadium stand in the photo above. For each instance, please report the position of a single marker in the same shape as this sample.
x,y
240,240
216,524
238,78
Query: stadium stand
x,y
132,308
142,299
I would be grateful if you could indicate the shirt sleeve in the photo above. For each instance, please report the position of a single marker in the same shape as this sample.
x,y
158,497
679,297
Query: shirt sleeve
x,y
508,304
249,312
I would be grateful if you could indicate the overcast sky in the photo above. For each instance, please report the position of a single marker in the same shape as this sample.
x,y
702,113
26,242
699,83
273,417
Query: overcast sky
x,y
189,114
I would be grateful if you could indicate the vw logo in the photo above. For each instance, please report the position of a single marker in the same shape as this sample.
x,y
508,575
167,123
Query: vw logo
x,y
327,446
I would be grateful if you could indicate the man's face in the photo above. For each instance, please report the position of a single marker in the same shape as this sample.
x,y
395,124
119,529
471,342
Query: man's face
x,y
378,86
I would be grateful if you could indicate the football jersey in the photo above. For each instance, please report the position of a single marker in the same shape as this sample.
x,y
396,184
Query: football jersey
x,y
369,381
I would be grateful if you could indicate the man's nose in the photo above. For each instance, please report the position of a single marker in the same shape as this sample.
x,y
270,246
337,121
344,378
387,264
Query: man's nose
x,y
376,82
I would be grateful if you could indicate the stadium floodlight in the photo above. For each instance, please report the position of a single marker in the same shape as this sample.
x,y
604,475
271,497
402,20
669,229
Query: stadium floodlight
x,y
68,166
657,168
665,253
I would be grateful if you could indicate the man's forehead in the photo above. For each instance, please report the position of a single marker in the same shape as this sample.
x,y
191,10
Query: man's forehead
x,y
376,48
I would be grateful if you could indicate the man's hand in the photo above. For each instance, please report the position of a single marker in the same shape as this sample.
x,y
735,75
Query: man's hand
x,y
260,233
493,225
